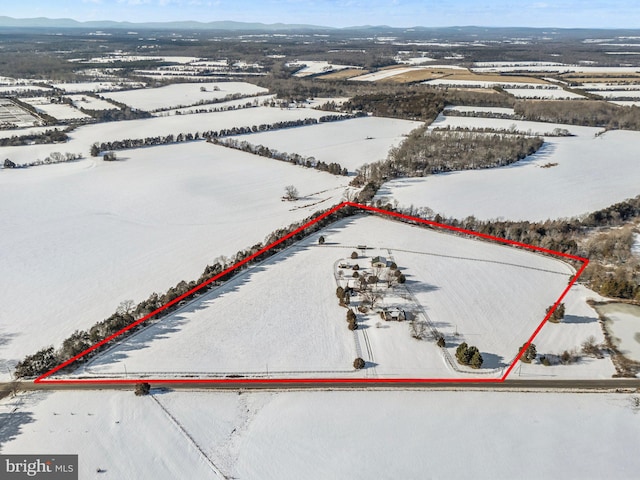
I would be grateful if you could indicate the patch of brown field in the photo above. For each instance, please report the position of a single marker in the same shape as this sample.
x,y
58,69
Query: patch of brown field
x,y
342,74
413,76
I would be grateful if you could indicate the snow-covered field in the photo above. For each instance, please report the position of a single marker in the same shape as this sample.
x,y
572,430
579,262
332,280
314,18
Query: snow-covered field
x,y
500,67
4,89
60,111
82,138
579,324
515,126
392,72
624,326
181,94
446,82
543,93
471,109
317,435
270,321
617,93
12,114
314,67
587,177
351,143
80,87
258,100
91,103
86,235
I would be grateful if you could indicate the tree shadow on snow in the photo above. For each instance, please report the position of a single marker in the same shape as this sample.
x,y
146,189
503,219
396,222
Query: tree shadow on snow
x,y
11,424
578,319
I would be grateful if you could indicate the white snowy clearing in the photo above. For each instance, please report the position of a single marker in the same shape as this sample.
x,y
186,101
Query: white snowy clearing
x,y
587,177
270,320
314,67
465,109
60,111
635,94
543,93
311,435
182,94
82,138
579,324
87,235
91,103
624,326
392,72
80,87
351,143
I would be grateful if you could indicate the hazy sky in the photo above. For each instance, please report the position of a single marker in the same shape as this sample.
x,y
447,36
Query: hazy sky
x,y
340,13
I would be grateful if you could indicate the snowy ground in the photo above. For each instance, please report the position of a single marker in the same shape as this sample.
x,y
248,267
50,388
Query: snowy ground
x,y
624,326
314,67
312,435
586,178
465,108
181,94
257,100
91,103
617,93
269,320
60,111
82,138
351,143
86,235
580,323
80,87
515,126
543,93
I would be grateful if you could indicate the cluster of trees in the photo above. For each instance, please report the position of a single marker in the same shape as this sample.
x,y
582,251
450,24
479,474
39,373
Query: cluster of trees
x,y
470,356
296,159
352,320
49,136
54,157
414,105
424,153
558,313
115,114
581,112
529,354
129,314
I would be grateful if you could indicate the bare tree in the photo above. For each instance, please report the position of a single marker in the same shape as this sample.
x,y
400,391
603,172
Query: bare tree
x,y
125,307
371,297
291,193
418,329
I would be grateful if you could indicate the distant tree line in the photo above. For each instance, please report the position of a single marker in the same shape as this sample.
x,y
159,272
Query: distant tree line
x,y
294,158
209,135
581,112
128,313
213,101
49,136
54,157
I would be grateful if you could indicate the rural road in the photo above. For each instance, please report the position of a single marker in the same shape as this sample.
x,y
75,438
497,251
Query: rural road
x,y
625,384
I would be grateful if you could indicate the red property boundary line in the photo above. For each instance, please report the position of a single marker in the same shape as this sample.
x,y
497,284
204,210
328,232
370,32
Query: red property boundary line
x,y
306,381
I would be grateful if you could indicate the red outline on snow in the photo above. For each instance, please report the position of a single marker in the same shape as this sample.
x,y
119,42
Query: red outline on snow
x,y
306,381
